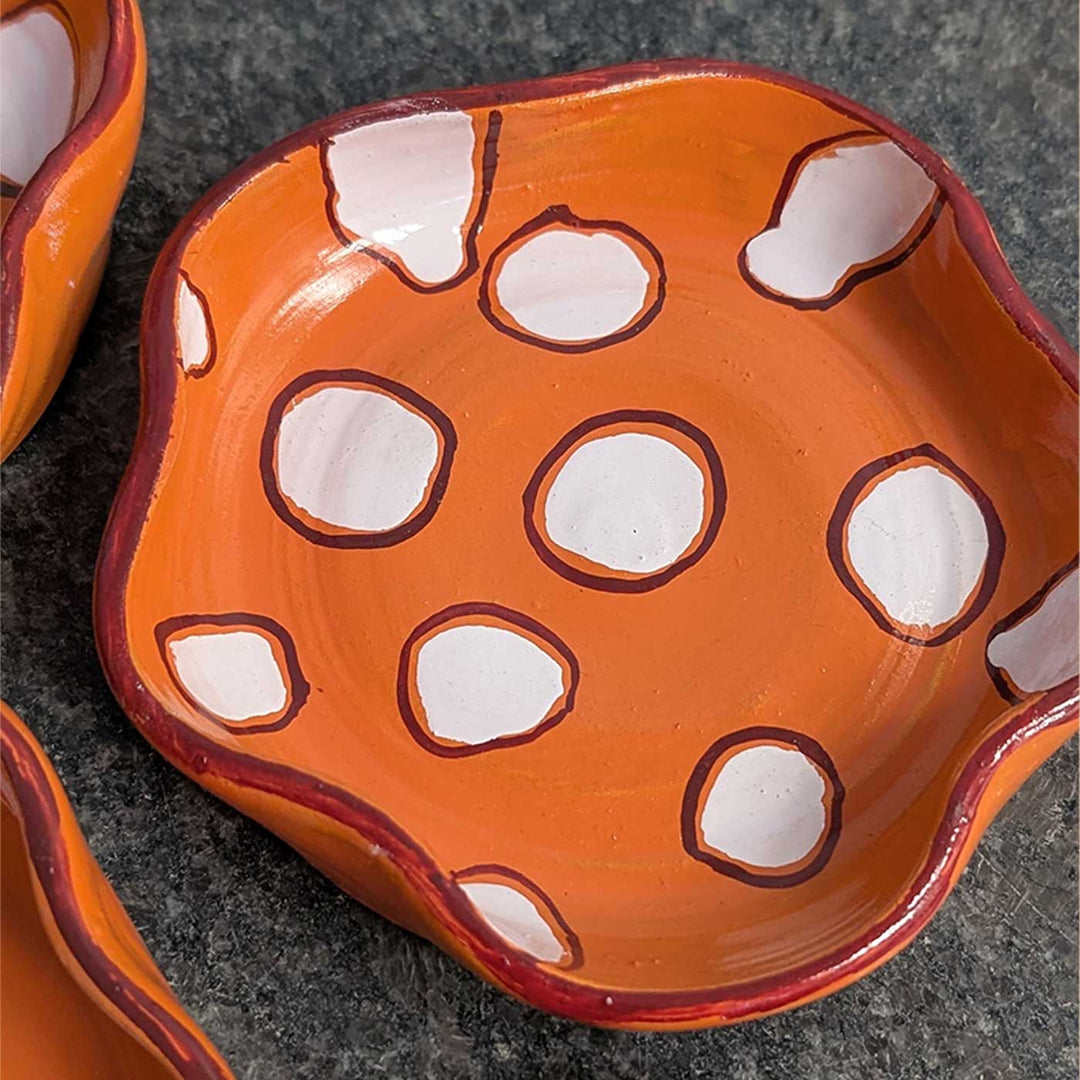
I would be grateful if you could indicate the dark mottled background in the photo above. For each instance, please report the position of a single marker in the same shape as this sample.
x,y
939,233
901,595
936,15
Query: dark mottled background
x,y
292,980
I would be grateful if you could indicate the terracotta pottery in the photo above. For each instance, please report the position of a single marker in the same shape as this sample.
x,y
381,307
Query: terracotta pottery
x,y
72,75
621,526
79,993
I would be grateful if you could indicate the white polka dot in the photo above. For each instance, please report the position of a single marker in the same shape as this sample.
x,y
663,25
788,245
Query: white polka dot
x,y
1041,650
850,205
407,186
572,286
354,458
515,918
230,673
37,88
766,807
478,683
193,328
630,502
919,543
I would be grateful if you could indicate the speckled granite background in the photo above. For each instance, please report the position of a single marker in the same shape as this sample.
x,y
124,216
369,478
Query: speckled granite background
x,y
291,979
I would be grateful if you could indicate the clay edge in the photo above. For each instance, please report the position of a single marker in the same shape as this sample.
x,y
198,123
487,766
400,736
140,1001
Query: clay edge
x,y
39,811
194,752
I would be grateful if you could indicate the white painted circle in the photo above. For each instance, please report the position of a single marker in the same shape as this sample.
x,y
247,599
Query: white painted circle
x,y
515,918
1042,650
631,502
572,286
851,204
766,807
478,683
193,328
230,673
355,458
919,542
407,185
37,90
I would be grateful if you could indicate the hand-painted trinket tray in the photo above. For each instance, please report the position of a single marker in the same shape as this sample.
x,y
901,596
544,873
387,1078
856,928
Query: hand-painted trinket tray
x,y
72,76
79,993
621,526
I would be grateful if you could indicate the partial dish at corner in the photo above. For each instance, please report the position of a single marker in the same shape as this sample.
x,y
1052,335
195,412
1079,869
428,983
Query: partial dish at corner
x,y
593,520
81,995
72,78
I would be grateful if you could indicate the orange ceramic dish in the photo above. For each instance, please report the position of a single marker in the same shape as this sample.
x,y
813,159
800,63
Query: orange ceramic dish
x,y
73,78
79,993
621,526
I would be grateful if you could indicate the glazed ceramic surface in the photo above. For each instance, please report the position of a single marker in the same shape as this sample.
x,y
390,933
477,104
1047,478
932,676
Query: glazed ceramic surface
x,y
79,994
72,75
622,527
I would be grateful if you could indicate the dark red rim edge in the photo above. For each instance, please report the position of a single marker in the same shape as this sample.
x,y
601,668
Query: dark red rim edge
x,y
39,813
197,754
116,77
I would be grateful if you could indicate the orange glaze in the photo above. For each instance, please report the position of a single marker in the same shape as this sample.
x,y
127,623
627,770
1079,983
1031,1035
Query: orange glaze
x,y
56,228
79,993
759,632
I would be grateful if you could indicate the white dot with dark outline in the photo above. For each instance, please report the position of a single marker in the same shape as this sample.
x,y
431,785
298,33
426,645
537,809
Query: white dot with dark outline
x,y
230,673
1042,650
515,918
850,204
480,683
407,185
765,807
919,542
571,286
355,458
630,502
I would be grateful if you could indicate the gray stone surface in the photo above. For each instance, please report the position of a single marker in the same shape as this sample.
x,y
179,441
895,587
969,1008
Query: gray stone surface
x,y
290,978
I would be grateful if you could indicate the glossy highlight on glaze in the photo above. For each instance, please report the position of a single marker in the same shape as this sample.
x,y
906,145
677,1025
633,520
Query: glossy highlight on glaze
x,y
421,223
